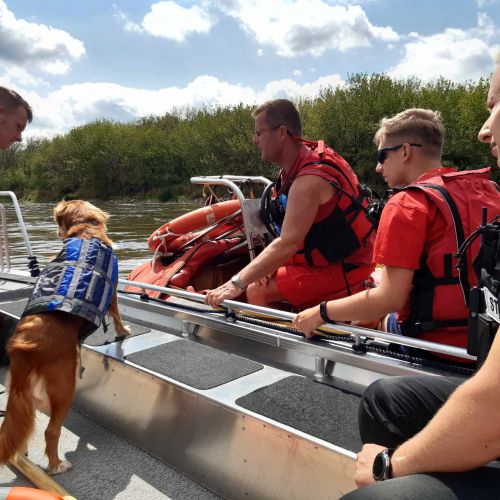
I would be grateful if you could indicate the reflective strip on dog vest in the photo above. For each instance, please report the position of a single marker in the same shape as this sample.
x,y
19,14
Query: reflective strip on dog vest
x,y
80,280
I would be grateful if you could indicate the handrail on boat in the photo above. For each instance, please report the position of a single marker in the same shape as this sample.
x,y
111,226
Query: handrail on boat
x,y
231,182
32,263
357,332
4,242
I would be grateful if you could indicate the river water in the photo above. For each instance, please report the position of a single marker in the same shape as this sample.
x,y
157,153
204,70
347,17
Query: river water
x,y
129,227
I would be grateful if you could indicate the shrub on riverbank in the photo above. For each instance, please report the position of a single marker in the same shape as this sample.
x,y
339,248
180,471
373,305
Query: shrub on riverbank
x,y
155,156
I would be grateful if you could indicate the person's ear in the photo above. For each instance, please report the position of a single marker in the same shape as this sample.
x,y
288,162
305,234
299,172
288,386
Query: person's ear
x,y
406,151
283,132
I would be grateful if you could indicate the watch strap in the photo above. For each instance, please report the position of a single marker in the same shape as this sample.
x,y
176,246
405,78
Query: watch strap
x,y
323,313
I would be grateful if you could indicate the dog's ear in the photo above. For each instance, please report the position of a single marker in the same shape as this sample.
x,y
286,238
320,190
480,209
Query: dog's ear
x,y
59,211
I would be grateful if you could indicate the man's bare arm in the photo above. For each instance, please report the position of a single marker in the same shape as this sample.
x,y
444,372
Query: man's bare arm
x,y
391,295
304,198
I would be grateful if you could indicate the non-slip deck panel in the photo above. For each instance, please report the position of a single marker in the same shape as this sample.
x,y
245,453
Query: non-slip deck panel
x,y
193,364
317,409
15,307
96,339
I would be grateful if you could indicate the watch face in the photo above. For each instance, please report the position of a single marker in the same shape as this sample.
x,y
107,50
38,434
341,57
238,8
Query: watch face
x,y
378,467
382,465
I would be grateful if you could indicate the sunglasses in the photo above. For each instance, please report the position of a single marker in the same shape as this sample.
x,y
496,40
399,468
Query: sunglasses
x,y
382,153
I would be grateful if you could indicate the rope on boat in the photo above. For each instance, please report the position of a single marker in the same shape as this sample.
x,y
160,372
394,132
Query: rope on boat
x,y
366,347
358,348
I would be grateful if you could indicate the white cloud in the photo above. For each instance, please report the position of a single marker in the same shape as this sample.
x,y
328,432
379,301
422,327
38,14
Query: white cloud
x,y
486,3
169,20
455,54
297,27
282,89
77,104
26,44
297,72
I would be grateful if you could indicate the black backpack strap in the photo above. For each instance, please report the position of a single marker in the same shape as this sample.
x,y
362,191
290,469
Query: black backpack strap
x,y
459,233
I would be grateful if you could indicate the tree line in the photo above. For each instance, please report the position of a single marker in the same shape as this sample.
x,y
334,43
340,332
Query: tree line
x,y
154,157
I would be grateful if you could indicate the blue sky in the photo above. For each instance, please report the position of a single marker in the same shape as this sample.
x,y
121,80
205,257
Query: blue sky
x,y
76,61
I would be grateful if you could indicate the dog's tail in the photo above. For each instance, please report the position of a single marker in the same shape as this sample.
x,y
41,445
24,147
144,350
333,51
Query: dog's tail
x,y
19,421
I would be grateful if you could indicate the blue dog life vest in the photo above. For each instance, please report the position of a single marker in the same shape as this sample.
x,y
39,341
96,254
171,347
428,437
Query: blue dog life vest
x,y
80,280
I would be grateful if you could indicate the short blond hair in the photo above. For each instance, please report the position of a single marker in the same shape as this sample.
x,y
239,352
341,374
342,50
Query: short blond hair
x,y
415,125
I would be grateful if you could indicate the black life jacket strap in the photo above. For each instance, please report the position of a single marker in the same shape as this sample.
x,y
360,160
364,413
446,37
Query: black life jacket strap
x,y
459,233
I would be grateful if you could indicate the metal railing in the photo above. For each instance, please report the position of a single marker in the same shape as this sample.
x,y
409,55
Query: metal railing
x,y
251,226
358,333
4,237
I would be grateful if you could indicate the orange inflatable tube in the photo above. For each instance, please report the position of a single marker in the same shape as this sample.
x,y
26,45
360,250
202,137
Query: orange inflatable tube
x,y
193,221
21,493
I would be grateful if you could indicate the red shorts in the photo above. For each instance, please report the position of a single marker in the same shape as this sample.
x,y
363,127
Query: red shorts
x,y
306,286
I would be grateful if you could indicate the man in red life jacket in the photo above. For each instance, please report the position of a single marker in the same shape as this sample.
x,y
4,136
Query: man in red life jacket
x,y
305,263
15,113
445,432
421,228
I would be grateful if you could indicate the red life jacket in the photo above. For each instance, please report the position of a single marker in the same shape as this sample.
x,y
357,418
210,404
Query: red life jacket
x,y
440,294
341,225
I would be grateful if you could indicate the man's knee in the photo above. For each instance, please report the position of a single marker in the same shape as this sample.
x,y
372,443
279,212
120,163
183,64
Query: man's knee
x,y
263,295
378,412
258,295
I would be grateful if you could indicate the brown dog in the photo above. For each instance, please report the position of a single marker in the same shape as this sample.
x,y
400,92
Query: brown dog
x,y
43,350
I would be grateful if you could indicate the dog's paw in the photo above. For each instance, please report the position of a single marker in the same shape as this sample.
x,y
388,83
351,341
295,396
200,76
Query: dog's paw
x,y
63,466
123,330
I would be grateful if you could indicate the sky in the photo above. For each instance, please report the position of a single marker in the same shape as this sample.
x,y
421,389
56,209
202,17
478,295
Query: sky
x,y
78,61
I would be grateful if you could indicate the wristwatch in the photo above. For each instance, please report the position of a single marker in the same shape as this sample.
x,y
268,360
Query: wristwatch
x,y
382,468
236,280
323,313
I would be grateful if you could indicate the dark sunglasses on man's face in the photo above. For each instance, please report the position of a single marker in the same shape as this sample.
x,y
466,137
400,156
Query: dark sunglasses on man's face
x,y
382,153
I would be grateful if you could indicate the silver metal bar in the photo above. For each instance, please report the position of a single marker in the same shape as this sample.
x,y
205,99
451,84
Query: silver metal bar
x,y
20,219
287,316
3,239
213,179
231,182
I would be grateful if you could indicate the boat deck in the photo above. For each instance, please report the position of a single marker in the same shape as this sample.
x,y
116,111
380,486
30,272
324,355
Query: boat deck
x,y
197,397
106,466
232,423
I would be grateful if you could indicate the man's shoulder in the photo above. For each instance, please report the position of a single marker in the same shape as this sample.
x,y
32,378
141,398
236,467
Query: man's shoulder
x,y
410,198
311,181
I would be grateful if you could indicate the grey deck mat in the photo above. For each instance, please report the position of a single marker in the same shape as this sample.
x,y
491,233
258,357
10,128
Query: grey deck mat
x,y
15,307
193,364
317,409
96,339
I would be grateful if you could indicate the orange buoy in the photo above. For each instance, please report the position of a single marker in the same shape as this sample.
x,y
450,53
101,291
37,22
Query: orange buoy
x,y
180,272
21,493
192,221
